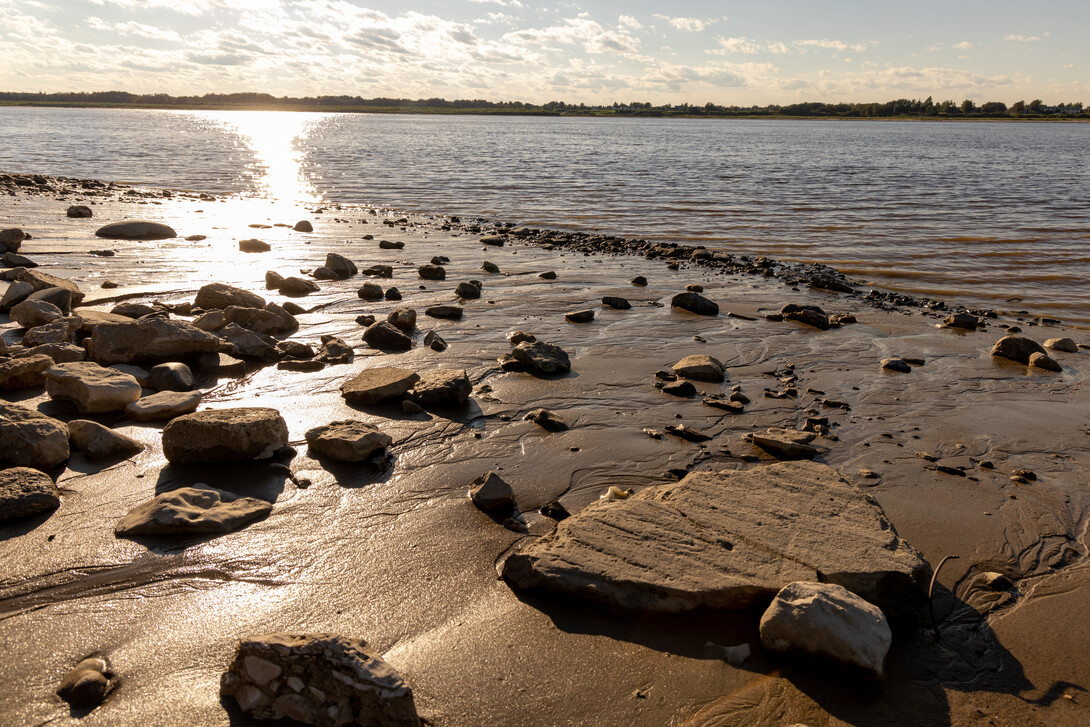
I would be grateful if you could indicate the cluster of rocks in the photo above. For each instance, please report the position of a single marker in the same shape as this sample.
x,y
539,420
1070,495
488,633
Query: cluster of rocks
x,y
534,356
385,384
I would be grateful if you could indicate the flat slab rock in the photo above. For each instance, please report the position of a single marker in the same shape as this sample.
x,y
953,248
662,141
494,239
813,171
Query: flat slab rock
x,y
317,679
372,386
224,435
727,541
198,509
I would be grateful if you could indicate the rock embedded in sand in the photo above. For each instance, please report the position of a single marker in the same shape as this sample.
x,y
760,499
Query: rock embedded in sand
x,y
700,368
88,685
965,321
341,266
197,509
727,540
253,245
580,316
224,435
494,240
79,211
639,281
442,388
450,312
149,340
550,421
317,679
24,373
136,230
216,296
1044,361
898,365
785,444
347,441
25,491
386,337
391,245
490,492
468,291
811,315
170,376
612,301
303,226
678,388
403,318
827,620
298,287
163,405
542,358
380,271
373,386
370,291
29,438
98,442
432,272
92,388
1016,348
695,303
1066,345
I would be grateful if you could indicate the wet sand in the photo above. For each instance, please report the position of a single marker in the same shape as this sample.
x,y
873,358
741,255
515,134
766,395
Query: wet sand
x,y
401,558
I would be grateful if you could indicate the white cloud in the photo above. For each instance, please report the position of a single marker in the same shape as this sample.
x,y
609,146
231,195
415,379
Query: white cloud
x,y
132,28
629,22
502,3
837,46
747,46
963,45
1022,38
692,25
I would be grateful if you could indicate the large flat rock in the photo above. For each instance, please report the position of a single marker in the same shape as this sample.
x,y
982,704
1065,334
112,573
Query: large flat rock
x,y
372,386
727,541
198,509
224,435
150,340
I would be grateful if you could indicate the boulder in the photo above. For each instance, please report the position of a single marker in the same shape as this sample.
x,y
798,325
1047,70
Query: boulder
x,y
225,435
253,245
695,303
347,441
468,291
811,315
1066,345
97,442
31,439
197,509
79,211
403,318
136,230
489,492
150,340
1044,361
385,337
433,272
550,421
25,492
60,297
324,273
727,540
12,238
1016,348
93,389
298,287
450,312
700,368
370,291
58,352
23,373
92,319
17,292
542,358
303,226
240,341
32,313
216,296
40,281
163,405
372,386
61,330
317,679
827,620
341,266
613,301
442,388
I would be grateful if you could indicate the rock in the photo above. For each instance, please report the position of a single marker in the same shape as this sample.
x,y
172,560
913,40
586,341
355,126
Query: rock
x,y
391,245
468,291
216,296
542,358
995,581
896,364
132,310
489,492
495,240
92,388
432,272
450,312
370,291
640,281
248,344
317,679
292,308
373,386
548,275
13,260
686,432
224,435
403,318
136,230
442,388
700,368
253,245
1044,361
612,301
347,441
12,238
41,281
97,442
341,266
32,313
61,330
1066,345
170,376
303,226
298,287
24,373
197,509
273,280
727,540
411,407
88,685
385,337
550,421
149,340
31,439
108,284
271,320
784,447
163,405
580,316
324,273
16,293
1016,348
966,321
435,342
811,315
490,267
335,351
516,337
695,303
221,365
79,211
25,492
679,388
380,271
393,294
827,620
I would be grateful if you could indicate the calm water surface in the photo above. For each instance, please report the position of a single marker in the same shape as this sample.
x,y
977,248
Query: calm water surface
x,y
976,213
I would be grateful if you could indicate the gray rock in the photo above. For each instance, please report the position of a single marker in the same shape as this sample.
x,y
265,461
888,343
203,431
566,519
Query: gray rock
x,y
298,287
317,679
31,439
25,492
432,272
1016,348
23,373
550,421
827,620
347,441
542,358
97,442
373,386
79,211
695,303
88,685
1044,361
451,312
1066,345
253,245
163,405
197,509
32,313
403,318
149,340
93,389
386,337
700,368
490,492
224,435
580,316
216,296
727,540
489,267
442,388
170,376
60,297
341,266
136,230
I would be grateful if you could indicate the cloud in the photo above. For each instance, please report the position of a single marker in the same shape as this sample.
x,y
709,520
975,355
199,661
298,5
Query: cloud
x,y
692,25
629,22
963,45
1023,38
837,46
132,28
501,3
747,46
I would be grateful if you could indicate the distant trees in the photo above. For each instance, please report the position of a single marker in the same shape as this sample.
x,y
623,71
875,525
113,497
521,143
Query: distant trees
x,y
994,107
967,106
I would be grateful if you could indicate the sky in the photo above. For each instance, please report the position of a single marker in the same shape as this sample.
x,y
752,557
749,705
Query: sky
x,y
578,51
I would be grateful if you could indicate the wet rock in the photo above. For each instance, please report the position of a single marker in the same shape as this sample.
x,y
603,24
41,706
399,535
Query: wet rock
x,y
700,368
432,272
31,439
32,313
12,238
317,679
136,230
132,310
239,341
393,294
784,446
494,240
23,373
391,245
149,340
555,511
98,442
435,342
197,509
468,291
216,296
324,273
640,281
15,293
386,337
88,685
695,303
253,245
827,620
370,291
41,281
896,364
403,318
25,491
995,581
221,365
811,315
1016,348
727,540
490,492
1066,345
516,337
548,275
1044,361
442,388
303,226
542,358
335,351
163,405
373,386
550,421
347,441
380,271
79,211
90,387
612,301
298,287
341,266
678,388
170,376
489,267
224,435
449,312
731,407
686,432
965,321
13,260
580,316
309,365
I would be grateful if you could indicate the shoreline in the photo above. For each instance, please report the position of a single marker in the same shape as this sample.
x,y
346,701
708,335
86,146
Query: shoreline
x,y
399,555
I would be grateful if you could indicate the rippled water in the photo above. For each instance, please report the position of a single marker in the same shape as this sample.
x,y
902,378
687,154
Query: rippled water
x,y
978,213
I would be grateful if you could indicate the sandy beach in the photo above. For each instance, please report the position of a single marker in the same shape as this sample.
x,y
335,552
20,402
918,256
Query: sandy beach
x,y
968,455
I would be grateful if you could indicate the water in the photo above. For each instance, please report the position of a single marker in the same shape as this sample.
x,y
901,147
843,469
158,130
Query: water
x,y
973,213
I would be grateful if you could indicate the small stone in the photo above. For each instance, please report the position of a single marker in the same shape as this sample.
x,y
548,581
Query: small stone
x,y
995,581
683,389
700,368
390,245
468,291
490,267
542,358
490,492
811,315
372,386
451,312
79,211
380,271
686,432
432,272
494,240
411,407
303,226
370,291
896,364
695,303
784,447
548,420
442,388
1044,361
163,405
612,301
88,685
253,245
580,316
435,342
965,321
298,287
548,275
639,280
393,294
136,230
216,296
403,318
170,376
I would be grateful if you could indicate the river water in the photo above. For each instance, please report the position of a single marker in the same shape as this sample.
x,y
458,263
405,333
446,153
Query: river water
x,y
993,214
